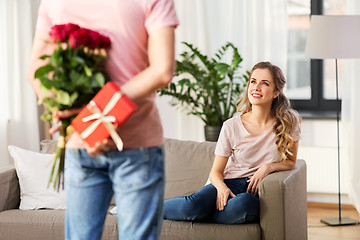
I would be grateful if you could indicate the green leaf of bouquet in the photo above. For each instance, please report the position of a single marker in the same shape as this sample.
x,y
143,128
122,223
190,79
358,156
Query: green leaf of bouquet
x,y
47,117
44,57
73,98
79,60
62,97
88,71
46,82
57,58
51,104
53,61
44,70
44,90
100,79
78,79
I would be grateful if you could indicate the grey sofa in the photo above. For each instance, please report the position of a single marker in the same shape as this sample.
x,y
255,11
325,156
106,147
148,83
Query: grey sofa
x,y
283,211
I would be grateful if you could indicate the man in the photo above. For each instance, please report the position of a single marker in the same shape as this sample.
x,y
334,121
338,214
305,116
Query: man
x,y
141,61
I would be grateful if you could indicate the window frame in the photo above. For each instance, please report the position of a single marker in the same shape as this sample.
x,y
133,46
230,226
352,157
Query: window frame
x,y
317,106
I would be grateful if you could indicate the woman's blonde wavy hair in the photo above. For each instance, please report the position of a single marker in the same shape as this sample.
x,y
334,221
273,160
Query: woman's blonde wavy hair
x,y
286,117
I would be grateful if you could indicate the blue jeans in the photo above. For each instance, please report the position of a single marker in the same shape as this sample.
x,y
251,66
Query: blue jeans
x,y
201,206
135,176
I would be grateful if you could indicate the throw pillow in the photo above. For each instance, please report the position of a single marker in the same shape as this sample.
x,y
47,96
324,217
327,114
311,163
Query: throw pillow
x,y
113,211
33,170
49,146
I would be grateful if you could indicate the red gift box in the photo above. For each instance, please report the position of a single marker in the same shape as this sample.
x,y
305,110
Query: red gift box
x,y
96,121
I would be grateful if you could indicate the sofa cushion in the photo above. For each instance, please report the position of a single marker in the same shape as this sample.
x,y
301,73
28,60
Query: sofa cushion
x,y
184,230
43,224
187,165
33,170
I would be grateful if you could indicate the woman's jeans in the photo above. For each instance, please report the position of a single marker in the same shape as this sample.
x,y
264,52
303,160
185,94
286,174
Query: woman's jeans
x,y
201,206
135,176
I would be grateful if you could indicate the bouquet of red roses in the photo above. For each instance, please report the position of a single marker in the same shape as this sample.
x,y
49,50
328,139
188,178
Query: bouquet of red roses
x,y
71,77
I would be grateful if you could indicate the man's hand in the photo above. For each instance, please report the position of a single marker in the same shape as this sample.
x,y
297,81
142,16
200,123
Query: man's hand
x,y
98,149
58,115
101,147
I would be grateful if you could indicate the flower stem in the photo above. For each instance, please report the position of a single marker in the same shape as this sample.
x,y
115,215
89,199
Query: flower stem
x,y
57,172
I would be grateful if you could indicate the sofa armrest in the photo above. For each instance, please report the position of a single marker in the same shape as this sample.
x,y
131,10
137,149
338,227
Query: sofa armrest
x,y
9,188
283,204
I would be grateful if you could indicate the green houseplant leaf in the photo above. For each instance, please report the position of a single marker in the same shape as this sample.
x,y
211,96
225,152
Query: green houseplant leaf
x,y
208,88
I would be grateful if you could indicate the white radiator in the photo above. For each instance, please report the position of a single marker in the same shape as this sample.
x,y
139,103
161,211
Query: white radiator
x,y
322,169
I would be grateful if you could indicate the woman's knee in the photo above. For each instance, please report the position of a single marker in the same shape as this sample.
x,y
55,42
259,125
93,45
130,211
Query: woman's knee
x,y
247,201
181,208
247,206
196,206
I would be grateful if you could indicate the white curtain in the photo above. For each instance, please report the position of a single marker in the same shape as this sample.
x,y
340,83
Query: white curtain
x,y
265,32
258,28
351,119
18,114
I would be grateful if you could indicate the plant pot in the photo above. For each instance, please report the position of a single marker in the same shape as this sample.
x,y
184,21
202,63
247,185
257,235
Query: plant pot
x,y
212,133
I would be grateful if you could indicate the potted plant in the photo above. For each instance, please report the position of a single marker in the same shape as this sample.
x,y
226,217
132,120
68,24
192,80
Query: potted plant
x,y
208,88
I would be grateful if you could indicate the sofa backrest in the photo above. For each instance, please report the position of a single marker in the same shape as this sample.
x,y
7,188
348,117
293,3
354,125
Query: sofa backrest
x,y
187,166
9,188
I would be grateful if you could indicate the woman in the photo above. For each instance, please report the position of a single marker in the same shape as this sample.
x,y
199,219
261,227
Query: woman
x,y
261,140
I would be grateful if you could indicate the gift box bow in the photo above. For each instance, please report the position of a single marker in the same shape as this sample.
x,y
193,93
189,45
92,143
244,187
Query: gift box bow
x,y
94,124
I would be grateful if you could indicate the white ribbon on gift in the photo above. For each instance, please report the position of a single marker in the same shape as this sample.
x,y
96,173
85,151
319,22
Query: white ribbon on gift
x,y
101,117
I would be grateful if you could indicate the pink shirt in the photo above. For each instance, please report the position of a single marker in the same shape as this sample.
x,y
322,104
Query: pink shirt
x,y
247,152
128,23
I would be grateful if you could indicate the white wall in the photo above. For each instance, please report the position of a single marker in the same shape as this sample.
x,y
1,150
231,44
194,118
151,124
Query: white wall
x,y
318,147
174,119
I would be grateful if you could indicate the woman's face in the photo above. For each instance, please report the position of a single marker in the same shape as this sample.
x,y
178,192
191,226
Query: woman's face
x,y
261,90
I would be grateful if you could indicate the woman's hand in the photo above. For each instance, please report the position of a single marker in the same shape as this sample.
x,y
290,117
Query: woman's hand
x,y
268,168
217,180
223,194
255,180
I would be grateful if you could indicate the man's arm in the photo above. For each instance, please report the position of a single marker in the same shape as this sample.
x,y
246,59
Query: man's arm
x,y
161,48
158,74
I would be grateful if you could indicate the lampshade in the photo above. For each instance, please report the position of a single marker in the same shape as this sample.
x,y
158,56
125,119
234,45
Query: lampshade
x,y
333,37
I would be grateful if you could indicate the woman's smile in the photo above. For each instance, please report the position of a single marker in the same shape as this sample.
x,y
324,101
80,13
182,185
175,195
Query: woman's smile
x,y
256,95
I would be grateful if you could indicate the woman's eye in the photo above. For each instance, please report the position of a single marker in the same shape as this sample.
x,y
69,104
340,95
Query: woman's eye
x,y
252,81
266,84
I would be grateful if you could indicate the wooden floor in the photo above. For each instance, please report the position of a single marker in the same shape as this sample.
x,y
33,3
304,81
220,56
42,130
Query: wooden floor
x,y
321,231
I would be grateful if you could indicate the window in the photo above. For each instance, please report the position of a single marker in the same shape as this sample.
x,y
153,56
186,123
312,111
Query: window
x,y
311,83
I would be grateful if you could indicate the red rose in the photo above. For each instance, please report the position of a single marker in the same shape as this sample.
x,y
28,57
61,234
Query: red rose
x,y
62,32
69,28
79,38
95,39
105,42
57,33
